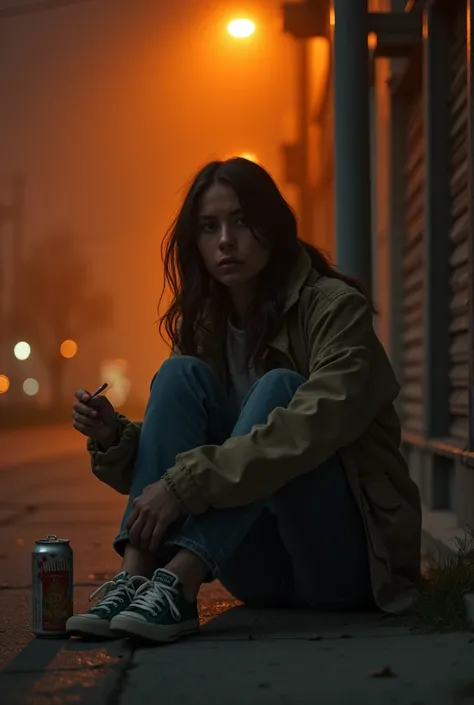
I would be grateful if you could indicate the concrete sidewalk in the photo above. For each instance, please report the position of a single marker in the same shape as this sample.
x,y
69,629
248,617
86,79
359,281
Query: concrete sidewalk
x,y
241,656
250,656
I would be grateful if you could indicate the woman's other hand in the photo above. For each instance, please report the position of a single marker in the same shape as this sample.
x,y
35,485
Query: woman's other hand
x,y
152,514
96,419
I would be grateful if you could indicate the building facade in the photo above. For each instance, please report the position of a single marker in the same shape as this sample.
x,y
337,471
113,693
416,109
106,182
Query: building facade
x,y
418,113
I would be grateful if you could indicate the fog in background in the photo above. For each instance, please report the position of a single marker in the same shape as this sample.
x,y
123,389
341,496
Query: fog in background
x,y
108,108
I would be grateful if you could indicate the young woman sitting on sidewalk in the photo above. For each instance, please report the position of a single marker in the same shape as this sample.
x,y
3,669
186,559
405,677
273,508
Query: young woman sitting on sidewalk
x,y
269,455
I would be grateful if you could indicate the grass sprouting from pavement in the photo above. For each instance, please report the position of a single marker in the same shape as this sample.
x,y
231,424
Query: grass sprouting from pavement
x,y
440,603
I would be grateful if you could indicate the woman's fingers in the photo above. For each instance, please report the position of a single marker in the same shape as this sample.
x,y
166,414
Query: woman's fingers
x,y
85,420
85,424
136,530
144,530
147,532
84,428
85,410
156,538
82,395
132,518
85,417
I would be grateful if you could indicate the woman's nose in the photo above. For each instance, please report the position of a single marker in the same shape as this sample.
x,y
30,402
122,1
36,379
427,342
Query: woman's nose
x,y
226,238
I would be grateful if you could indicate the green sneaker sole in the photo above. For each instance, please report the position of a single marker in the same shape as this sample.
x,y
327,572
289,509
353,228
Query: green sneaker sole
x,y
131,626
83,625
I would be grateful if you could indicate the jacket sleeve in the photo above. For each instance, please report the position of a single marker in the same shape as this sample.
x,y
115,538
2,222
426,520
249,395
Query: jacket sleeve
x,y
329,411
115,466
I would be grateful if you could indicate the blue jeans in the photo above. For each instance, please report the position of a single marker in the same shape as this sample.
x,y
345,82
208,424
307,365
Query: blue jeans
x,y
302,546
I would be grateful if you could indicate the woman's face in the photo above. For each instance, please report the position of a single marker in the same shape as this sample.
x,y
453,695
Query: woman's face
x,y
230,252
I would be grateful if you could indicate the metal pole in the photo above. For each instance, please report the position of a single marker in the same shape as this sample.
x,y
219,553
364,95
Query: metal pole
x,y
470,146
304,197
351,137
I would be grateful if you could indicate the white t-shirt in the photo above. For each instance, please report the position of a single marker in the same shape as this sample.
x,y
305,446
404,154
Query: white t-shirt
x,y
242,376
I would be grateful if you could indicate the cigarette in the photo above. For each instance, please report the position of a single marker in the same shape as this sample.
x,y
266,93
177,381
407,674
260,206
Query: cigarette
x,y
99,390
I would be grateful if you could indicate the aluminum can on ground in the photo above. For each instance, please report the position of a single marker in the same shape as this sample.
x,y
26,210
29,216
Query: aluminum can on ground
x,y
52,586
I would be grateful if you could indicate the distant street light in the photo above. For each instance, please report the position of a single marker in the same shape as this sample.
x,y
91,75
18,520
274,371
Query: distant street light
x,y
4,384
31,387
241,28
22,350
68,348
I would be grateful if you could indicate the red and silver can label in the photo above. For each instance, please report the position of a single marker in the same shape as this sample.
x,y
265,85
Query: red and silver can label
x,y
52,578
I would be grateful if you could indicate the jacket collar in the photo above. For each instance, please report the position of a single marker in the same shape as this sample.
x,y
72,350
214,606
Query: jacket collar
x,y
297,279
301,270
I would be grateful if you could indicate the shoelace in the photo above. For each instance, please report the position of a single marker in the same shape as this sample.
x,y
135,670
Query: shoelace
x,y
114,591
151,595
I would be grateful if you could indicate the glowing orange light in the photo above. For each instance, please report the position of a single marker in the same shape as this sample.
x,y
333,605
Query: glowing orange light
x,y
4,384
250,156
241,28
68,348
372,41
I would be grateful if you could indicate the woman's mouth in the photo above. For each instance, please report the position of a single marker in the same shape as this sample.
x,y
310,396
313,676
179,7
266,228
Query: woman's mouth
x,y
228,262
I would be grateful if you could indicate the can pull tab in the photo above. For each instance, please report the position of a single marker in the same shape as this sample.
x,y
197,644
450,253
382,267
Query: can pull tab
x,y
51,537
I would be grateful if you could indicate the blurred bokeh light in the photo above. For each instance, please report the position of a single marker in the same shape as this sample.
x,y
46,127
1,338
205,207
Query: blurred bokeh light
x,y
4,384
68,348
22,350
31,387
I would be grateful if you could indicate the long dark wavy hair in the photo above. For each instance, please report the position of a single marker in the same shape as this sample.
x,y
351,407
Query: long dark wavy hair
x,y
198,302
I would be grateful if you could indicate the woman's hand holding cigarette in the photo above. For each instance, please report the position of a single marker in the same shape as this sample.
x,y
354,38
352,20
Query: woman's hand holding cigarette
x,y
94,417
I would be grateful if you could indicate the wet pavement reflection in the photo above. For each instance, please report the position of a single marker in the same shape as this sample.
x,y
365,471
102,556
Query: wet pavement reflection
x,y
75,668
213,600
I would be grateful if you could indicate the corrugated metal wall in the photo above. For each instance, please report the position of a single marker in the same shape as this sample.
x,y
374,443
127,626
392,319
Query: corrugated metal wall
x,y
413,265
459,232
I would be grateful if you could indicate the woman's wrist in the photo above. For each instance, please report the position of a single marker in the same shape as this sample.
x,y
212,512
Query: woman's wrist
x,y
110,440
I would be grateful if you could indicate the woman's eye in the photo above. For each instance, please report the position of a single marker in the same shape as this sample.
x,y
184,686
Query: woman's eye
x,y
207,227
241,222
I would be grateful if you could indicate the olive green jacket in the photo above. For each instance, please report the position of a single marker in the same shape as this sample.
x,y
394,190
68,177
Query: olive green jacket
x,y
346,406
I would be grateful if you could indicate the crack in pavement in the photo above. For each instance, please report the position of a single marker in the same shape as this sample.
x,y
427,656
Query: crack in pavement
x,y
114,696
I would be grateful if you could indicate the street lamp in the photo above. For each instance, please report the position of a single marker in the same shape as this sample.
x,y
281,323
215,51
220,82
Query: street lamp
x,y
241,28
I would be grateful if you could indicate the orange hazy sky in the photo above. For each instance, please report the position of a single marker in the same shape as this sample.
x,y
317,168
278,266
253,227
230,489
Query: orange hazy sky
x,y
109,108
